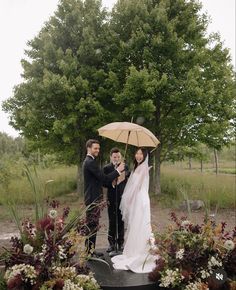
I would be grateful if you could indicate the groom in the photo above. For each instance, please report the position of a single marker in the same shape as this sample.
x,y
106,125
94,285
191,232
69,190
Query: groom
x,y
93,181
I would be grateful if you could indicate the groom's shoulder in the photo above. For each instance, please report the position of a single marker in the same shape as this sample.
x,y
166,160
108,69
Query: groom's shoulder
x,y
88,160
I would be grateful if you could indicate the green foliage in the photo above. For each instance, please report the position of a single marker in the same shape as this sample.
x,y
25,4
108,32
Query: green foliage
x,y
11,146
176,77
61,101
3,284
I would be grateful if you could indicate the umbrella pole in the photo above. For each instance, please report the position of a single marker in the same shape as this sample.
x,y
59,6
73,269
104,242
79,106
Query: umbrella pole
x,y
126,145
116,251
153,150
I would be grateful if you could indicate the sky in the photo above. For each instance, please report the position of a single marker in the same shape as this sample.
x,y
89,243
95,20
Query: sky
x,y
21,20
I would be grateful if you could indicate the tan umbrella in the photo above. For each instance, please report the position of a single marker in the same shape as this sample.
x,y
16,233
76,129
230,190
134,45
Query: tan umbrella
x,y
129,133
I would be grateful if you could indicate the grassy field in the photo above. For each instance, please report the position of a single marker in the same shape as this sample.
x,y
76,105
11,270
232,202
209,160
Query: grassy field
x,y
51,182
177,182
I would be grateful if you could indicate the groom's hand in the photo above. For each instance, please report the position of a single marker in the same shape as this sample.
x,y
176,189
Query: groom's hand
x,y
121,167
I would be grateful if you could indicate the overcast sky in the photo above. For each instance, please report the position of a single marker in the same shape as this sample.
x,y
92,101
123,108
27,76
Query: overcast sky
x,y
21,20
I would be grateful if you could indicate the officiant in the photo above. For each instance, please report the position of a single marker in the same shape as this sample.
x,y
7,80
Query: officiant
x,y
117,186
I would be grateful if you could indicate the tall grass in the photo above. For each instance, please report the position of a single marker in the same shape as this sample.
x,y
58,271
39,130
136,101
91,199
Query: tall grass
x,y
178,184
19,190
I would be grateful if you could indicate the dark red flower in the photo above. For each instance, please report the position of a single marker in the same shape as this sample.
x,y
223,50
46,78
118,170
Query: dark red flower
x,y
66,212
45,224
15,282
174,218
59,284
54,204
155,274
186,274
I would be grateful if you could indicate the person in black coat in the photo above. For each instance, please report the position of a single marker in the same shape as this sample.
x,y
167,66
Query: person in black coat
x,y
93,181
119,185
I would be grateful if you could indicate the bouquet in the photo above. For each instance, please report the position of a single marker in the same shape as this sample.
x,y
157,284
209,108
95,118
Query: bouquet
x,y
49,254
195,256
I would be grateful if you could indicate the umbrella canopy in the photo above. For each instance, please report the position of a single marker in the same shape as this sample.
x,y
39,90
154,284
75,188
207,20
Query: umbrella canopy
x,y
129,133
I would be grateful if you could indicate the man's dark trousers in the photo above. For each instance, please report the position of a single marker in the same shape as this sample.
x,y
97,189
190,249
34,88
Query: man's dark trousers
x,y
111,198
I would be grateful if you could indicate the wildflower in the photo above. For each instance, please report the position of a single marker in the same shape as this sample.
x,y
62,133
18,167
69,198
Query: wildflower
x,y
171,277
180,254
27,273
185,224
214,262
69,285
196,286
52,214
229,245
28,249
62,254
204,274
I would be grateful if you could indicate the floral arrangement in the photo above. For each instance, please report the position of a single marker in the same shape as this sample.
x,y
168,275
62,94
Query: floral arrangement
x,y
49,254
193,256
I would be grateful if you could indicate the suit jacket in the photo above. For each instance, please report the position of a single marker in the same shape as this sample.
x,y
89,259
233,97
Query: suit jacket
x,y
120,187
94,179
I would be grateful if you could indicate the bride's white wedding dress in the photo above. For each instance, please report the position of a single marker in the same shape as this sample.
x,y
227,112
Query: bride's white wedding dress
x,y
135,208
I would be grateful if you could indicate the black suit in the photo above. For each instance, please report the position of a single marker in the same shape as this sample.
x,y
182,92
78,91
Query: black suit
x,y
111,196
93,181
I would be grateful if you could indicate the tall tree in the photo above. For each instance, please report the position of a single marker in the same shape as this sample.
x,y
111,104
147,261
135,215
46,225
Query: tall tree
x,y
170,72
61,101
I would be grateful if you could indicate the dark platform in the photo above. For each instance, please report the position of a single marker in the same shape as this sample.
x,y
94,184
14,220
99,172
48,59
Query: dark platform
x,y
111,279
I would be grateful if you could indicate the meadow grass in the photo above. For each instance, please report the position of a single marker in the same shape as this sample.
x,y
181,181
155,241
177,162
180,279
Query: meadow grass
x,y
179,184
52,182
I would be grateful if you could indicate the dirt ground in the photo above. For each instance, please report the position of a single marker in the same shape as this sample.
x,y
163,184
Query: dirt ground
x,y
160,219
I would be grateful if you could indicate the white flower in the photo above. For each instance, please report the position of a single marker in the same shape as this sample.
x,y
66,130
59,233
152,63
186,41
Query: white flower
x,y
180,254
53,214
83,277
229,245
27,273
152,243
214,262
64,271
194,286
171,277
69,285
28,249
185,224
204,274
94,281
62,254
42,254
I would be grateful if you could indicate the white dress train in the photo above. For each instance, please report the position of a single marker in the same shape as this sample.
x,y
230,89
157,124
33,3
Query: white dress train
x,y
135,209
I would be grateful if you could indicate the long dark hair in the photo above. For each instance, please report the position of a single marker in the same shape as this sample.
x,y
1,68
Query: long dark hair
x,y
145,154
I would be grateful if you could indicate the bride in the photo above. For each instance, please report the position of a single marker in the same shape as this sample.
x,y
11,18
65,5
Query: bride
x,y
135,209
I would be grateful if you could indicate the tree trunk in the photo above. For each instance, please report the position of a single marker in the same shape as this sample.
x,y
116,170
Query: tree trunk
x,y
79,179
81,154
39,157
216,161
201,165
190,162
157,184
